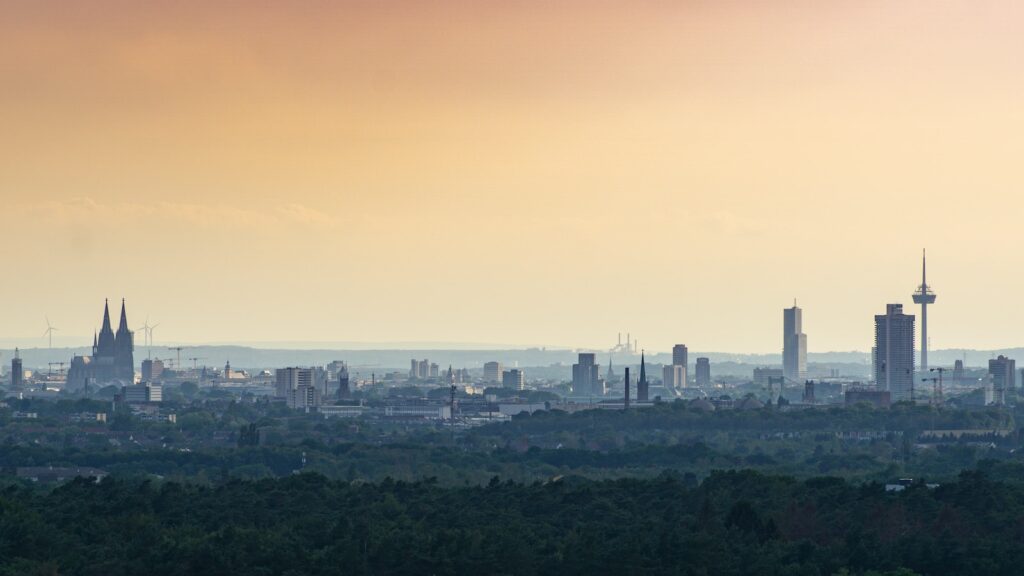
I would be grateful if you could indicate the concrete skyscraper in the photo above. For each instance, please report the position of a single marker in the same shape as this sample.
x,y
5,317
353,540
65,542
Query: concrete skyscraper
x,y
514,379
17,371
924,296
673,377
492,372
794,345
287,380
1004,376
586,375
680,355
703,372
894,352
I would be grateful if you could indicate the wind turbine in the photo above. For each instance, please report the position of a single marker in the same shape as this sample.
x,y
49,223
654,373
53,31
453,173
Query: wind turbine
x,y
50,329
151,328
147,333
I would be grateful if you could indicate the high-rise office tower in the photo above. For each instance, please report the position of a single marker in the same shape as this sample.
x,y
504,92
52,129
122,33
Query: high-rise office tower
x,y
680,355
152,369
17,371
642,387
492,372
415,369
703,372
673,376
958,372
514,379
794,345
924,296
419,369
586,375
289,379
1003,371
894,352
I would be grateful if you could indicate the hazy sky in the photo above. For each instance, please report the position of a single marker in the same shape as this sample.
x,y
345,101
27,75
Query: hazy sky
x,y
512,171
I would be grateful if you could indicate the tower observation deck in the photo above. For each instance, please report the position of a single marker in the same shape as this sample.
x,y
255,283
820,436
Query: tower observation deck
x,y
924,296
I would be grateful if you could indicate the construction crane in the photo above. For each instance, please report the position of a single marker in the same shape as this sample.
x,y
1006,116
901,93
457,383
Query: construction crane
x,y
60,368
177,349
195,362
937,394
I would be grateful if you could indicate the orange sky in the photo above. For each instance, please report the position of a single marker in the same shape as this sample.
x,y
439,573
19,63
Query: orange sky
x,y
512,171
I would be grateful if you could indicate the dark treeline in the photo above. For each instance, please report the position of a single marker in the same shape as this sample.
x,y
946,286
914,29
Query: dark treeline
x,y
455,466
733,523
667,420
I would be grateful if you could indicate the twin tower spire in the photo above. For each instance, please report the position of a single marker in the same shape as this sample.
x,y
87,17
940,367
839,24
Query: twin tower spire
x,y
107,340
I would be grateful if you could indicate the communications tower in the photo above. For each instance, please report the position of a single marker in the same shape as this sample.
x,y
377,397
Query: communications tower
x,y
924,296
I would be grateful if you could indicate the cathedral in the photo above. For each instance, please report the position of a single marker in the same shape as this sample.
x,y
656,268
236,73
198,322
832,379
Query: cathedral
x,y
112,356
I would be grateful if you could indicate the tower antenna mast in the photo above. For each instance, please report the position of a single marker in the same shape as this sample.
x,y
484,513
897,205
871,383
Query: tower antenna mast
x,y
924,296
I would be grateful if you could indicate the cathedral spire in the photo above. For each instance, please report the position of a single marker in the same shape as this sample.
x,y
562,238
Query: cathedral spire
x,y
106,316
123,327
105,341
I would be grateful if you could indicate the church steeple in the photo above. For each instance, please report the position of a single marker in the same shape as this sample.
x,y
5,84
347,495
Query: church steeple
x,y
124,360
123,326
642,387
106,317
105,341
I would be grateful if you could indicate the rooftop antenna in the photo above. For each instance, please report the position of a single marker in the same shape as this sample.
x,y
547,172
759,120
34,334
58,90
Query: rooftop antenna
x,y
50,329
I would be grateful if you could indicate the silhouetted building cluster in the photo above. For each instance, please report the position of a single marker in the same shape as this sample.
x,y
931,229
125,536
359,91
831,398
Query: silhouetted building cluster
x,y
112,358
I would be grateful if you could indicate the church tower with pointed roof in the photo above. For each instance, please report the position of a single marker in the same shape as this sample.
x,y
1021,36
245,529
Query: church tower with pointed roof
x,y
124,348
642,387
112,357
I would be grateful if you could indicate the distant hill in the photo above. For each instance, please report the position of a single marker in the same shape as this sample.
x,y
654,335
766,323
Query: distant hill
x,y
396,359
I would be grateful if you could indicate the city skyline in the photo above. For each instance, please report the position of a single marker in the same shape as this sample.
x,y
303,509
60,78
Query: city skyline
x,y
493,287
196,156
794,351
